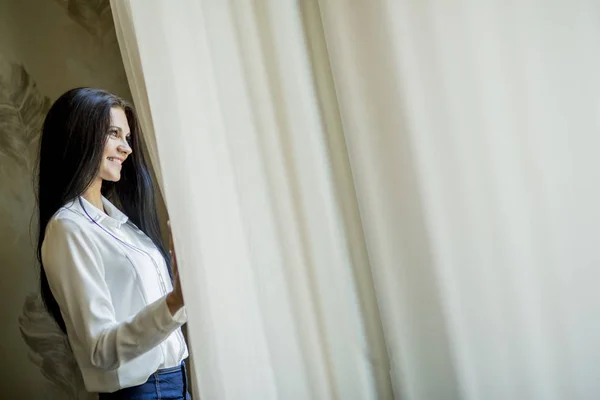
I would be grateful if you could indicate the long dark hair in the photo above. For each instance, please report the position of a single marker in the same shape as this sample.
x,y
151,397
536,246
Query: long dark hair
x,y
73,138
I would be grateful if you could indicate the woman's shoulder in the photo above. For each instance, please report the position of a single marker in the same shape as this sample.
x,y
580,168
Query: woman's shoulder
x,y
68,230
68,219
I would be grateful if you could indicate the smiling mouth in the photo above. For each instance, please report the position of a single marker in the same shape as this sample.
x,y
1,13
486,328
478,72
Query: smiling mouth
x,y
115,160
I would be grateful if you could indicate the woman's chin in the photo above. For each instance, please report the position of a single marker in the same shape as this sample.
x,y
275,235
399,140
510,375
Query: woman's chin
x,y
113,178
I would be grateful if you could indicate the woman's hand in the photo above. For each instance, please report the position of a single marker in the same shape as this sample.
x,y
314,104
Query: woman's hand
x,y
175,298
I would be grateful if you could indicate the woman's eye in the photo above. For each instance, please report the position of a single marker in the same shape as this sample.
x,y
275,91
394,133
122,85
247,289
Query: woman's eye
x,y
113,133
128,138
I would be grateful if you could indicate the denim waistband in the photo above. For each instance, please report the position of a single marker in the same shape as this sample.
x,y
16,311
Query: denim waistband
x,y
162,384
171,369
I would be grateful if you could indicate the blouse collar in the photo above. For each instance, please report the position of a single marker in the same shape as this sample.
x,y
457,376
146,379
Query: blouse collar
x,y
113,216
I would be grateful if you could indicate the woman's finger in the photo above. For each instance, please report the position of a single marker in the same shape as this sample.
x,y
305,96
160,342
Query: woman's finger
x,y
170,235
172,254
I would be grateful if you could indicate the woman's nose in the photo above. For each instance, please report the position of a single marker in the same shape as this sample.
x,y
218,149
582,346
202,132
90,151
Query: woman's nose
x,y
125,148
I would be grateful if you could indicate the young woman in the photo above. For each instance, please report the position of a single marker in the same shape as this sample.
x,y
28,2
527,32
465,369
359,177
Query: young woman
x,y
106,277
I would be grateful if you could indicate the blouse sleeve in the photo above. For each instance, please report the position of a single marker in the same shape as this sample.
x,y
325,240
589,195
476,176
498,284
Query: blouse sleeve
x,y
75,273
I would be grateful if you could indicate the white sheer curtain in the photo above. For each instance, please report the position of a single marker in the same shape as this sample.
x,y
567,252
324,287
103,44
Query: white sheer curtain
x,y
269,256
471,127
326,163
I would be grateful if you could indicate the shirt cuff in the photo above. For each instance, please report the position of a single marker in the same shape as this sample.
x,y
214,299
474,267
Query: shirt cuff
x,y
167,322
180,316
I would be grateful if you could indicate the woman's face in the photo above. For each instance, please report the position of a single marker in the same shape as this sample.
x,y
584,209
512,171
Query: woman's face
x,y
117,147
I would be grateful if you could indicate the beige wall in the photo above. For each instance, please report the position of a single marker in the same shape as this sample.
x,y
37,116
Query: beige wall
x,y
58,52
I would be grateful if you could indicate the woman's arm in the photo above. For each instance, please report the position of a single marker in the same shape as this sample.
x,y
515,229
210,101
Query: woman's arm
x,y
175,298
75,272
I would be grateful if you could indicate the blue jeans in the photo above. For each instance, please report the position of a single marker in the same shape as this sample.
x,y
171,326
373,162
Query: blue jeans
x,y
164,384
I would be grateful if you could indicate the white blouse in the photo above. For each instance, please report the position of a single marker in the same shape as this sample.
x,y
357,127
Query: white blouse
x,y
111,283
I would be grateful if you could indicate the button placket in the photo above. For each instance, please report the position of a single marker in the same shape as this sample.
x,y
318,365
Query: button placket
x,y
163,286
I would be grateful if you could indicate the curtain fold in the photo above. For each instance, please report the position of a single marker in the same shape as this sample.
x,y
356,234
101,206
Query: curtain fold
x,y
133,68
471,127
